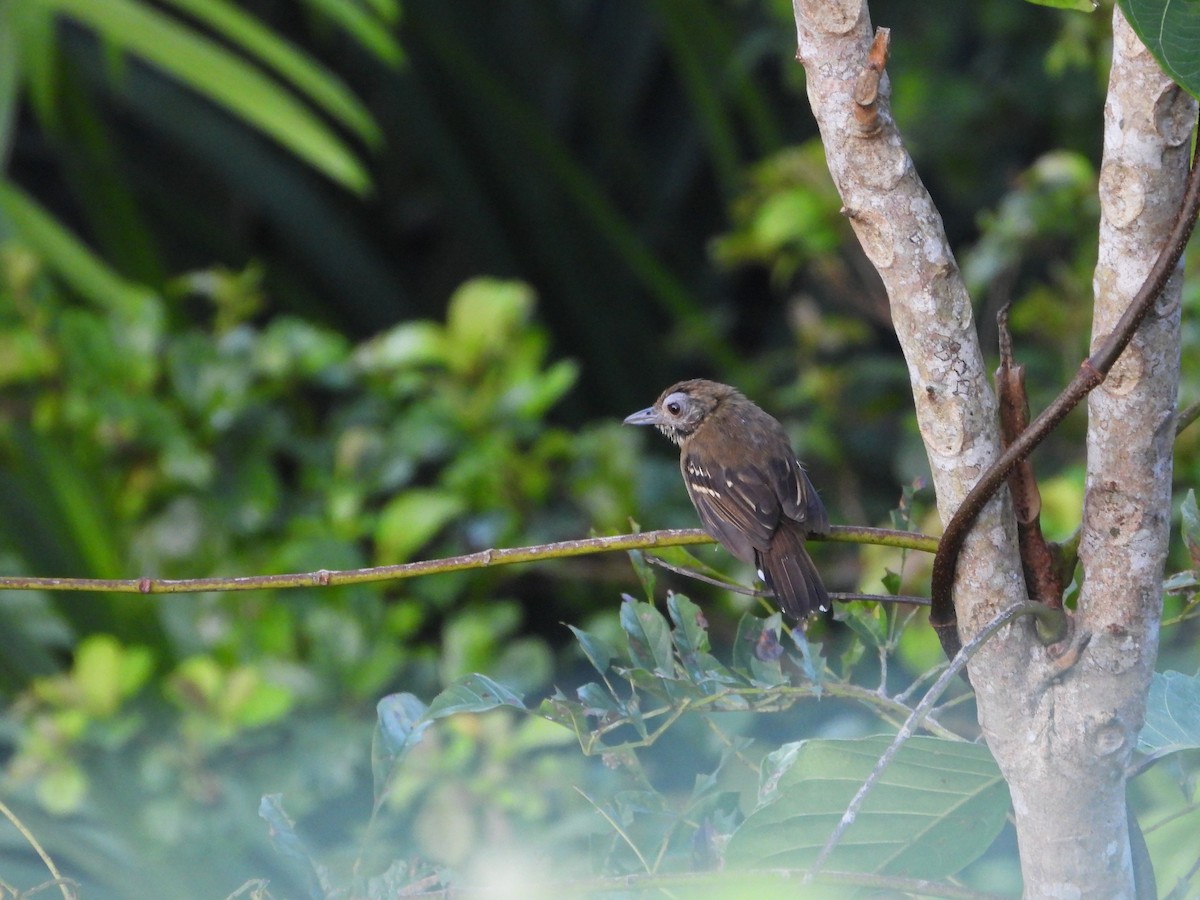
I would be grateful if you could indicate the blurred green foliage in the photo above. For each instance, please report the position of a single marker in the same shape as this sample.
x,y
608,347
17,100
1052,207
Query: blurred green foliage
x,y
340,284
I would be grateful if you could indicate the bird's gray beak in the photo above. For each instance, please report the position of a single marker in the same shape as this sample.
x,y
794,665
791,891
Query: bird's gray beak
x,y
647,416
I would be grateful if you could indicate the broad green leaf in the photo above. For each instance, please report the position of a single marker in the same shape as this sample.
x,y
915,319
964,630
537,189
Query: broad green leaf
x,y
1172,714
209,69
1171,31
474,693
649,637
938,806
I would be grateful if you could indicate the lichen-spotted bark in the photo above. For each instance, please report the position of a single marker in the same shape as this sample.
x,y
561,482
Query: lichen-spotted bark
x,y
901,233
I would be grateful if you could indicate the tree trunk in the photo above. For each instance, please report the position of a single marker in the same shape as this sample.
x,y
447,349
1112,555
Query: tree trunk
x,y
1061,725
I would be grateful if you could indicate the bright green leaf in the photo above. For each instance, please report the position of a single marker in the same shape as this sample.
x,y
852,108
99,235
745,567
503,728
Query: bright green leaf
x,y
484,314
1079,5
411,520
371,33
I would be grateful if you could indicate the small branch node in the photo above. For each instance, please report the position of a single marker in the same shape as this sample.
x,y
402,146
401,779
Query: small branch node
x,y
1066,654
866,89
1092,377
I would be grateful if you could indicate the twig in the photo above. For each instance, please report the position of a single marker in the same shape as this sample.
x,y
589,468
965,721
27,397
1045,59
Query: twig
x,y
736,588
1186,417
480,560
61,882
1092,372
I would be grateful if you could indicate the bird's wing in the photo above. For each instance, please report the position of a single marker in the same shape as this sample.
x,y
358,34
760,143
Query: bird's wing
x,y
737,506
797,497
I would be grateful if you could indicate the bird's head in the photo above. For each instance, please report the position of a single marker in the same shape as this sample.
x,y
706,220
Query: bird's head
x,y
683,407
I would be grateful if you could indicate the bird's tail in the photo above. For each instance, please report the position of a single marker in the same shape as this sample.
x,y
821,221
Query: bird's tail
x,y
789,571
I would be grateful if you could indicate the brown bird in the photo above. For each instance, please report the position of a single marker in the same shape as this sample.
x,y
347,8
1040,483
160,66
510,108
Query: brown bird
x,y
746,484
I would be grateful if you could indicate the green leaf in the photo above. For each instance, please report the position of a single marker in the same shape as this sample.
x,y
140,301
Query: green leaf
x,y
597,650
867,620
1190,525
938,806
891,581
289,844
756,650
484,315
107,672
411,520
67,255
1181,582
1172,714
1079,5
302,72
597,700
399,726
649,637
474,693
691,636
371,33
1171,31
644,572
209,69
812,664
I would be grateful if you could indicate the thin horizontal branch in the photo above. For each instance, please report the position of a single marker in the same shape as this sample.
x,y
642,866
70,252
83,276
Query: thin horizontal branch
x,y
480,560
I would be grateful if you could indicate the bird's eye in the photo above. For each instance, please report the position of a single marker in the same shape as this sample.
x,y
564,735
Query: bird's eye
x,y
673,408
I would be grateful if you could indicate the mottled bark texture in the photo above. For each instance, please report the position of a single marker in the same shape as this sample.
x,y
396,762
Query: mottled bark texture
x,y
1062,727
